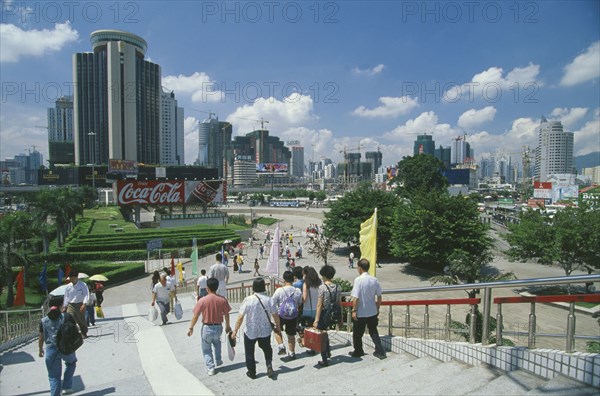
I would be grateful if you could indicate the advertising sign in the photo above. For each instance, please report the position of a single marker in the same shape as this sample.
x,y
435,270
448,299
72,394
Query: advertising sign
x,y
132,192
271,168
542,185
122,167
569,193
205,191
542,193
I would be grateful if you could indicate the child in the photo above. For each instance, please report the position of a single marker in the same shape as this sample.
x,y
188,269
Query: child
x,y
256,267
90,316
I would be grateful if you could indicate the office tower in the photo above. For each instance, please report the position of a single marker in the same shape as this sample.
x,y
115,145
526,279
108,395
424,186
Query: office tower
x,y
60,132
297,161
171,130
461,150
214,138
424,145
375,158
116,101
443,154
554,154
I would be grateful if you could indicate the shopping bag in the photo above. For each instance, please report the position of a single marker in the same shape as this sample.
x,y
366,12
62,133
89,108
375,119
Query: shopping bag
x,y
230,346
152,314
178,310
99,312
315,339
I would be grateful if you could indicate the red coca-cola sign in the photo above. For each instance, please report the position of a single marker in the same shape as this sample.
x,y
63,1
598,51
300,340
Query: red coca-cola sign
x,y
167,192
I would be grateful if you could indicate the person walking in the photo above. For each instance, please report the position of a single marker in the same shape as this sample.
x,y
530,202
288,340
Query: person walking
x,y
75,299
49,326
240,262
290,298
160,295
351,260
366,300
257,310
172,282
330,294
221,272
310,297
214,309
256,267
99,290
261,250
201,288
90,314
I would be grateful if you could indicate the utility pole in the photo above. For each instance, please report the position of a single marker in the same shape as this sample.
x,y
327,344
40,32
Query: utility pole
x,y
93,154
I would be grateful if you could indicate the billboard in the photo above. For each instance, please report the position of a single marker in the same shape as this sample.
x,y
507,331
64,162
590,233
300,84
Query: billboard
x,y
122,167
543,193
568,193
271,168
170,192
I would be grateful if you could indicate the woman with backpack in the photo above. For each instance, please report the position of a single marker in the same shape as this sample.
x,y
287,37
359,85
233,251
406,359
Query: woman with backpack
x,y
328,308
310,295
49,327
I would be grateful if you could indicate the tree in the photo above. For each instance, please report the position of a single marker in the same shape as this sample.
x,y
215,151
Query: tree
x,y
570,238
428,229
321,247
343,220
418,175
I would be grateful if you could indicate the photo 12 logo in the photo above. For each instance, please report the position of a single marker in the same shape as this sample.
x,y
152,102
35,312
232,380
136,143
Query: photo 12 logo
x,y
250,91
469,11
269,11
72,11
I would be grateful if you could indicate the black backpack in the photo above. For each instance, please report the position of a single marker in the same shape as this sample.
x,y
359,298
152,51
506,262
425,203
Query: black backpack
x,y
68,338
334,313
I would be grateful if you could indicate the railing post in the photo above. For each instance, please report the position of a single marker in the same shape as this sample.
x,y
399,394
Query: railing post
x,y
448,323
243,292
532,324
499,326
571,328
407,321
390,320
473,324
487,303
426,323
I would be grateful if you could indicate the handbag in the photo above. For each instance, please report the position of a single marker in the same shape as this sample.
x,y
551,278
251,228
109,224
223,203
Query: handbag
x,y
315,339
99,312
178,309
266,313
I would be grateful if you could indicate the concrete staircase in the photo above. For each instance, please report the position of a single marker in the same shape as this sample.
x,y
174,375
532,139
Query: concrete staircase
x,y
128,355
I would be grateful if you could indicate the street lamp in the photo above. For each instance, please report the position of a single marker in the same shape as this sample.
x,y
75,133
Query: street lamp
x,y
93,152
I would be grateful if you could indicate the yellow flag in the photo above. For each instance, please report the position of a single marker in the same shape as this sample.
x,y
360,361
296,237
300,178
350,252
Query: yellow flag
x,y
368,241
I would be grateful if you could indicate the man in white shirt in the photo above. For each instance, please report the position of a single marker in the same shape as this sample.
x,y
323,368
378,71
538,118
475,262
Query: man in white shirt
x,y
160,295
221,272
287,324
172,282
257,309
75,299
366,299
201,288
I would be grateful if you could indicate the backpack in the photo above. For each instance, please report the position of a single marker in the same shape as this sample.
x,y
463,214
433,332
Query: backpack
x,y
334,313
288,308
68,337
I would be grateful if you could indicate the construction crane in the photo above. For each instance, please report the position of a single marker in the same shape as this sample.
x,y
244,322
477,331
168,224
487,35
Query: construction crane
x,y
210,113
262,121
345,151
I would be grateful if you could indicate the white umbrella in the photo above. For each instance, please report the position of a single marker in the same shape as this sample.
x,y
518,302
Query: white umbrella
x,y
60,290
227,241
82,275
99,278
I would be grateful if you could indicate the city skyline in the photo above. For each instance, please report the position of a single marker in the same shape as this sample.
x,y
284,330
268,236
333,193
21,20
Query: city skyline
x,y
410,68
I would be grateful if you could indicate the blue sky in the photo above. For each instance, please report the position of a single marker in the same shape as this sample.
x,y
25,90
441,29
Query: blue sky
x,y
330,74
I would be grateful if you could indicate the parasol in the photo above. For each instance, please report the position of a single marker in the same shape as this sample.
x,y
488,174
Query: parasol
x,y
227,241
82,275
59,291
98,278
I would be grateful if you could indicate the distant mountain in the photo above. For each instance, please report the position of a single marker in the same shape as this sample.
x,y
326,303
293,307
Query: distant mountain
x,y
587,161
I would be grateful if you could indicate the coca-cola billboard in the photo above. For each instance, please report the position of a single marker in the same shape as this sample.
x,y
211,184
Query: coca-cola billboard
x,y
206,191
133,192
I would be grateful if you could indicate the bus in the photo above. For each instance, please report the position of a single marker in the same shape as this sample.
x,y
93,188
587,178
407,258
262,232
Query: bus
x,y
286,202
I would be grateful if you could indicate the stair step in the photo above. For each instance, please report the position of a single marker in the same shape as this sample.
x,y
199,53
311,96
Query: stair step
x,y
465,381
561,385
403,374
516,382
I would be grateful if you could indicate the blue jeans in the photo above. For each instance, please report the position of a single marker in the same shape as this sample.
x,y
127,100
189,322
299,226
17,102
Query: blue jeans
x,y
164,310
54,365
211,338
90,315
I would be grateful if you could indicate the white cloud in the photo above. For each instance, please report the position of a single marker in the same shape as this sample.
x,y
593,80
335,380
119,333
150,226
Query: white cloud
x,y
587,139
369,72
190,138
473,118
198,85
18,131
390,107
568,117
584,67
293,111
18,43
426,122
491,84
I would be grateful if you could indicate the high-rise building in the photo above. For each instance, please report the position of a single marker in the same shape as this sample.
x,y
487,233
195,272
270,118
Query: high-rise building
x,y
297,161
60,132
443,154
424,145
554,153
171,130
461,151
375,158
214,138
116,101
